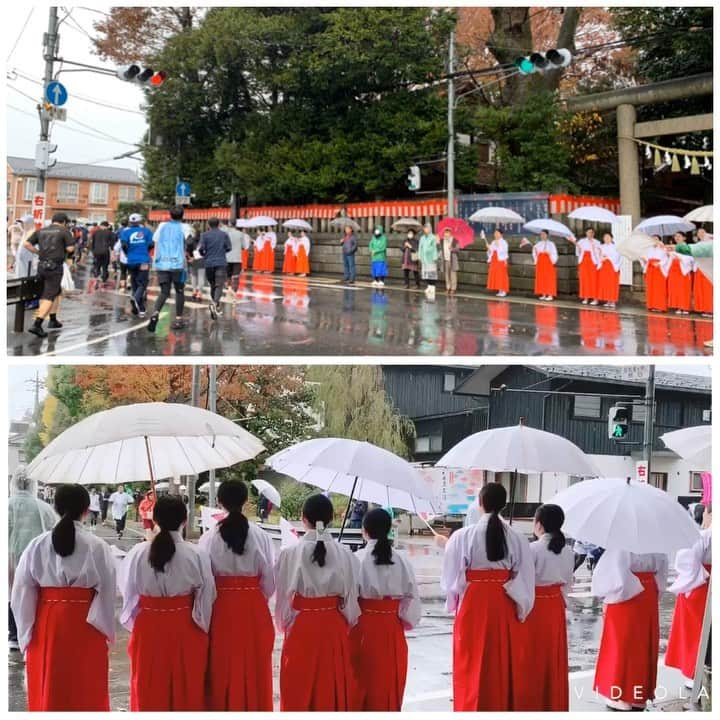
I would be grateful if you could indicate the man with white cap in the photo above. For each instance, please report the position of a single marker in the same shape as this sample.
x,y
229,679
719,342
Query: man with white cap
x,y
136,241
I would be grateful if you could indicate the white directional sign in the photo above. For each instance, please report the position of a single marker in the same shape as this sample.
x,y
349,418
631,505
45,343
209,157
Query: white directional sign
x,y
182,199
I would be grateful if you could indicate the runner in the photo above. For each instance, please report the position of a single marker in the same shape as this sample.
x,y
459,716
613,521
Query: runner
x,y
137,241
213,247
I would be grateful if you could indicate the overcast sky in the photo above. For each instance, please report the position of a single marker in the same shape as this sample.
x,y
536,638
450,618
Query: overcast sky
x,y
75,142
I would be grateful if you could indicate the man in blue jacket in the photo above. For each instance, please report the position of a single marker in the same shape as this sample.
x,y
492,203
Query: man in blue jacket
x,y
137,241
214,246
170,263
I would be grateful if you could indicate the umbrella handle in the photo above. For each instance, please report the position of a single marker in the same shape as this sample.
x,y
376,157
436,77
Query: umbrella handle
x,y
347,509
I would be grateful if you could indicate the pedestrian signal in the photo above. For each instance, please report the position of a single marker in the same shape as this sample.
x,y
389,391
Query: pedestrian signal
x,y
618,422
542,62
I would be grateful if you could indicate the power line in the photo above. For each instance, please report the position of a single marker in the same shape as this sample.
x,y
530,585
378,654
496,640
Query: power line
x,y
20,34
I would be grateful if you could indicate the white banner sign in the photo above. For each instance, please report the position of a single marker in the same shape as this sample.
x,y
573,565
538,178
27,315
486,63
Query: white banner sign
x,y
641,471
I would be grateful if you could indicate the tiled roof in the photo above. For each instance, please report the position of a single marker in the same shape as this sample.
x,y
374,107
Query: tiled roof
x,y
76,171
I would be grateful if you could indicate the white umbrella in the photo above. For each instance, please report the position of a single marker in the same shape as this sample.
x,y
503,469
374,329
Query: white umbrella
x,y
357,469
341,222
496,215
141,442
266,489
297,224
244,223
635,245
406,223
593,213
702,214
665,225
262,221
619,514
693,443
553,227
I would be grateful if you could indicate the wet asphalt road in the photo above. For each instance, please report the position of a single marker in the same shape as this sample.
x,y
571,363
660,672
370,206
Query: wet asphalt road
x,y
430,644
274,315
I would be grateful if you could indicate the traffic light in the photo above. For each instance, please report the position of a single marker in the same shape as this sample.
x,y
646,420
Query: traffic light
x,y
141,75
618,422
542,62
413,180
43,150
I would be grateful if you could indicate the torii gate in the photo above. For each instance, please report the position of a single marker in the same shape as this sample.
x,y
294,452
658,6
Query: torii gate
x,y
628,130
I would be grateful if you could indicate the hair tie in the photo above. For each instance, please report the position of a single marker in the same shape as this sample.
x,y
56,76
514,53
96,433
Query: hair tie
x,y
319,526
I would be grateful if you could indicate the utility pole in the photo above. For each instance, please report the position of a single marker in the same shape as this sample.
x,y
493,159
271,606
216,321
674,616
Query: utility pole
x,y
212,403
51,47
649,418
451,128
192,479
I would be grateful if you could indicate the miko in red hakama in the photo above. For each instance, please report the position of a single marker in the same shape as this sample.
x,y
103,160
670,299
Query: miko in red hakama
x,y
488,666
168,657
686,628
588,278
258,255
656,287
289,261
239,672
702,293
245,259
381,675
679,287
545,276
627,661
67,658
544,643
316,670
268,257
608,282
303,261
498,277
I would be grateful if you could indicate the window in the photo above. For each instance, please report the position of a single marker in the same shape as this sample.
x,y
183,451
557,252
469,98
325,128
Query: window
x,y
68,190
97,217
506,480
99,193
30,185
707,415
429,443
587,406
126,193
639,413
696,485
449,382
659,480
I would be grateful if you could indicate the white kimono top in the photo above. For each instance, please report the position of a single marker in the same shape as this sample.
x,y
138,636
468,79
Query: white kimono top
x,y
611,253
687,262
656,253
188,572
586,245
545,246
257,560
272,237
304,241
259,241
395,581
246,241
295,572
90,566
466,551
613,578
498,249
689,564
551,568
291,245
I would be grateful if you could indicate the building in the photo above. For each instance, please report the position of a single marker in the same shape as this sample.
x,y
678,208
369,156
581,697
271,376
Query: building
x,y
92,192
16,444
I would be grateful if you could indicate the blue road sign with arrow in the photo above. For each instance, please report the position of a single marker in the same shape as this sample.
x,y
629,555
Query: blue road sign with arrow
x,y
56,93
183,189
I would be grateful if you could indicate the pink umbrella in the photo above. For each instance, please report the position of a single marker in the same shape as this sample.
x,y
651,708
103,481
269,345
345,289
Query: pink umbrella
x,y
461,231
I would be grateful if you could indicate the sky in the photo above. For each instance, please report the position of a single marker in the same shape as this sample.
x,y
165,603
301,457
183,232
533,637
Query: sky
x,y
75,142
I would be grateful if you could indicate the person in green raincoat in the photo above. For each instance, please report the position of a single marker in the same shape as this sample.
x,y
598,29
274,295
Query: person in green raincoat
x,y
378,257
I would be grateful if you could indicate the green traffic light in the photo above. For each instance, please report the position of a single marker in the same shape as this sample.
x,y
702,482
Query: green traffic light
x,y
619,431
524,65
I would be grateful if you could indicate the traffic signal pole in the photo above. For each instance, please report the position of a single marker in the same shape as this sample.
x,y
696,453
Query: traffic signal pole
x,y
649,418
451,128
50,49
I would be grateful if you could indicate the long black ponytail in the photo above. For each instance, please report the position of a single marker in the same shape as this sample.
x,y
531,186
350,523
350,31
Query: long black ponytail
x,y
377,524
552,517
493,498
232,495
71,503
169,514
318,509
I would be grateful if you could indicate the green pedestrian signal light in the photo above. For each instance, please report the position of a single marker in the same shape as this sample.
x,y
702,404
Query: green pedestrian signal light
x,y
620,431
618,422
524,65
542,62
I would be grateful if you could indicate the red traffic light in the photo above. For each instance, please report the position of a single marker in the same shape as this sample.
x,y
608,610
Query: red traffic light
x,y
158,78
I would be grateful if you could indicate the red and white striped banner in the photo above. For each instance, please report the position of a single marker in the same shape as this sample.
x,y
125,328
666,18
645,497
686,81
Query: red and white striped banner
x,y
564,204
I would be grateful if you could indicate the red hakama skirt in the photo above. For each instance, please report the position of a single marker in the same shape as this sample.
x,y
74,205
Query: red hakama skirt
x,y
608,283
627,661
545,276
656,289
589,321
67,658
245,259
258,256
488,667
498,278
302,266
168,657
499,318
381,675
679,292
588,277
546,653
268,258
316,670
239,673
703,293
289,262
686,628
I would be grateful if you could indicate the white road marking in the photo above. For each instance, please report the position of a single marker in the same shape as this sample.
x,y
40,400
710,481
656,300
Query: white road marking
x,y
95,341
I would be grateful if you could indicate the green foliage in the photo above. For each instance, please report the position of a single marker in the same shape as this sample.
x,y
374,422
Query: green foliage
x,y
293,496
126,209
531,152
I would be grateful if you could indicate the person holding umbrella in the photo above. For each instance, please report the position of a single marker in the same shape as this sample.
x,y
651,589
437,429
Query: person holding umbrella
x,y
168,592
497,257
63,600
587,250
545,257
679,279
378,257
316,604
428,255
608,272
450,252
655,264
242,635
410,259
489,579
390,604
259,254
302,267
290,254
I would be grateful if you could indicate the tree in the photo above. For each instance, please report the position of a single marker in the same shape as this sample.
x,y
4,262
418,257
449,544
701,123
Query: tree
x,y
354,404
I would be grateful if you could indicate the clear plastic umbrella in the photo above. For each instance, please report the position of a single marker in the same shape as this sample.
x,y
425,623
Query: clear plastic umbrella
x,y
297,224
665,225
636,245
552,227
496,215
593,213
406,224
262,221
341,222
693,443
702,214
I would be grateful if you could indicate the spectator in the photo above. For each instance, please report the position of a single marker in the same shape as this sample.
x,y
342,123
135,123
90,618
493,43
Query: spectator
x,y
410,259
378,257
449,260
428,254
360,508
349,244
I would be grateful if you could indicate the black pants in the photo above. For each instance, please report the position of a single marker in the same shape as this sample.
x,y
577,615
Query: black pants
x,y
416,275
103,510
216,276
138,283
12,627
100,266
93,517
176,279
120,524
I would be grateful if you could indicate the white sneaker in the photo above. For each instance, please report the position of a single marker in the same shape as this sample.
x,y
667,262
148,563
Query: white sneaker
x,y
549,298
594,302
502,294
374,283
381,283
585,301
678,312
